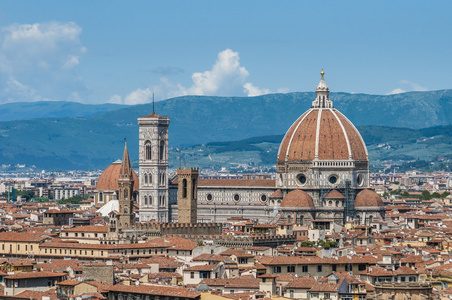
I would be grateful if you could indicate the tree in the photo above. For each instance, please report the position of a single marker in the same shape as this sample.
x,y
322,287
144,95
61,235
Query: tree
x,y
426,195
73,200
40,199
396,192
436,195
27,195
307,244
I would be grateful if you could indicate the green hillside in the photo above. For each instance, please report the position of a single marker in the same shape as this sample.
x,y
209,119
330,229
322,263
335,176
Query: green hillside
x,y
425,149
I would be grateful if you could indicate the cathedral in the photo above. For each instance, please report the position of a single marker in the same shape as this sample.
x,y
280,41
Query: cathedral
x,y
322,178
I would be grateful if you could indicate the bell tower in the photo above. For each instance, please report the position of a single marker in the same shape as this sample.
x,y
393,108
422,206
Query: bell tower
x,y
153,161
187,199
125,192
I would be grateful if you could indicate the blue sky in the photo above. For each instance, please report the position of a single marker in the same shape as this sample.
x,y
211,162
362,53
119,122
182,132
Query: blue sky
x,y
122,51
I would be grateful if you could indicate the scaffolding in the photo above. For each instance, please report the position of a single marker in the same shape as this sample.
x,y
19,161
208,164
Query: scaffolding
x,y
349,193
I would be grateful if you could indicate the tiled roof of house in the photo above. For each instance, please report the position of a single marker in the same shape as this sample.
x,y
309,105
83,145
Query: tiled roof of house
x,y
87,228
22,237
243,282
35,295
301,283
156,290
43,274
201,268
164,262
322,285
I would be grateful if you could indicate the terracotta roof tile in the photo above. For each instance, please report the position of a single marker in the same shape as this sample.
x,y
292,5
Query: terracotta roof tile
x,y
42,274
156,290
109,178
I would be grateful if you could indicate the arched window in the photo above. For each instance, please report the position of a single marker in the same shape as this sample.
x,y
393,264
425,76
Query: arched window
x,y
148,150
150,178
162,150
145,200
146,178
184,188
150,200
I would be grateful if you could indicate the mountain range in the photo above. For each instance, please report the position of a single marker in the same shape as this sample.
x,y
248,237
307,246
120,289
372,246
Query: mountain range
x,y
52,109
91,137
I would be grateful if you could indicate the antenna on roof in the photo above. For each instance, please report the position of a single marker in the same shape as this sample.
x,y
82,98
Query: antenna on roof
x,y
153,104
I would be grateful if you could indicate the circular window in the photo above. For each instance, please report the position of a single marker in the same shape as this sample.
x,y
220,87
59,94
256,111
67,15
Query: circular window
x,y
264,198
333,179
360,179
301,178
236,198
209,197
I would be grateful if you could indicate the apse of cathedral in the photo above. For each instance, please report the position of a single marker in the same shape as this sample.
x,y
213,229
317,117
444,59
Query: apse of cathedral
x,y
322,178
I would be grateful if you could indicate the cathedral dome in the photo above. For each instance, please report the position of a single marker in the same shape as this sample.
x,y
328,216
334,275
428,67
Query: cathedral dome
x,y
368,198
297,198
322,133
109,178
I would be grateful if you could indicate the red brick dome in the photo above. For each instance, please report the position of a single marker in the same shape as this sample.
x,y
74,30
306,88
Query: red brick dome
x,y
109,178
368,198
334,194
324,133
297,198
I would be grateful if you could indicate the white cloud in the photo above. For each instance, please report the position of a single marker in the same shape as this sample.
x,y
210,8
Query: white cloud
x,y
396,91
226,78
13,86
71,63
252,90
139,96
407,86
116,99
41,57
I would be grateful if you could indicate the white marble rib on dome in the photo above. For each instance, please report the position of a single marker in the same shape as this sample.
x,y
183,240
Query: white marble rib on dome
x,y
108,207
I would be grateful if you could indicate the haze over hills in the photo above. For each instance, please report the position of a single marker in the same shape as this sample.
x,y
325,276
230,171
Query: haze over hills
x,y
93,142
426,149
52,109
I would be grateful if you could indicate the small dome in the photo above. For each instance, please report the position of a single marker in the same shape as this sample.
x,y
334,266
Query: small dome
x,y
334,194
110,176
297,198
368,198
277,194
